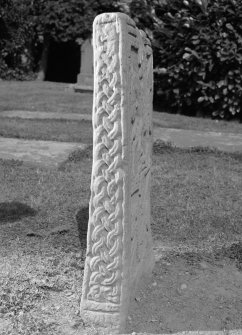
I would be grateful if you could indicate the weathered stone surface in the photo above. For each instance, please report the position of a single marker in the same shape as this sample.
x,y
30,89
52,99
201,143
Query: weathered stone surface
x,y
119,243
40,153
183,138
85,77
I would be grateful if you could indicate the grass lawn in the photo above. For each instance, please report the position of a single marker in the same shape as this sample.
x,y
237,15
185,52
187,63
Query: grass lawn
x,y
196,206
51,130
167,120
196,225
57,97
41,256
43,96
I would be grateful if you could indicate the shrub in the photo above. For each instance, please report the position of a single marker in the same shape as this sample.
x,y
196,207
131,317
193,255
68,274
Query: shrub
x,y
16,39
198,56
27,26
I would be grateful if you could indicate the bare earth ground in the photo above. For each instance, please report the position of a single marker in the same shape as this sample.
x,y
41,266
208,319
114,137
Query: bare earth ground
x,y
196,225
189,293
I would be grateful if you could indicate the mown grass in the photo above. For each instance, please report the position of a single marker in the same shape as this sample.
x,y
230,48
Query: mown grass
x,y
51,130
167,120
196,203
195,198
60,98
196,195
43,96
41,256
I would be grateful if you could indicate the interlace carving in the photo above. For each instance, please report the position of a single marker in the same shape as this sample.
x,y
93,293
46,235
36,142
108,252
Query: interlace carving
x,y
106,211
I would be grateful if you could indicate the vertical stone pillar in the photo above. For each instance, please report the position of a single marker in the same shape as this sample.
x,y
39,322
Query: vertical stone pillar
x,y
119,243
85,77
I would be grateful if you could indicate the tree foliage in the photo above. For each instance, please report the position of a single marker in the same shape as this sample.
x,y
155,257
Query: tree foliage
x,y
16,37
197,54
66,20
197,44
25,25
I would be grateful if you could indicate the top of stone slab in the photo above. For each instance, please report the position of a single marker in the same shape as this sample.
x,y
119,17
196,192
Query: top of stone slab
x,y
112,17
116,17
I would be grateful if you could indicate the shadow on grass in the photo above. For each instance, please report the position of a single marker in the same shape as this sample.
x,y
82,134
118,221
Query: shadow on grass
x,y
82,216
14,211
233,252
76,156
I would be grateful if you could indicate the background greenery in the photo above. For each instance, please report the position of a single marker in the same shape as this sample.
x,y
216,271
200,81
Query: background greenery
x,y
197,45
27,26
197,54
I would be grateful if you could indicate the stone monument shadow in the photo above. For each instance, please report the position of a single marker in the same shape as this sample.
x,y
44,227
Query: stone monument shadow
x,y
81,217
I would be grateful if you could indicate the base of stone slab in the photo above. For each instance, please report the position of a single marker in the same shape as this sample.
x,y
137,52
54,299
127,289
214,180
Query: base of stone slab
x,y
83,88
98,319
99,315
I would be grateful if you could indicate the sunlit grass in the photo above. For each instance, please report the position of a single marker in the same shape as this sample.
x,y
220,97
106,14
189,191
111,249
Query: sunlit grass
x,y
51,130
195,202
60,98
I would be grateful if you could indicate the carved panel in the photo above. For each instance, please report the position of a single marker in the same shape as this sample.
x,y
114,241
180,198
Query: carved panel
x,y
106,204
119,246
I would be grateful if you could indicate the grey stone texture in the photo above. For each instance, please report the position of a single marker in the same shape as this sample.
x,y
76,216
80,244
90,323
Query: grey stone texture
x,y
43,153
182,138
85,77
119,243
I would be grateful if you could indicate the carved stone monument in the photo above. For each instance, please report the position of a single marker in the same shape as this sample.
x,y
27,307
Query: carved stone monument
x,y
85,77
119,242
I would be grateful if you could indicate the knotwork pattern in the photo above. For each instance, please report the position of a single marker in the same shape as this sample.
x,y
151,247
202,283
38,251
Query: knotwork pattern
x,y
106,205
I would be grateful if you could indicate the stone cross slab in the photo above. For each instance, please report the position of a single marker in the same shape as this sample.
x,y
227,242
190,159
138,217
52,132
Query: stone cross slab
x,y
119,242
